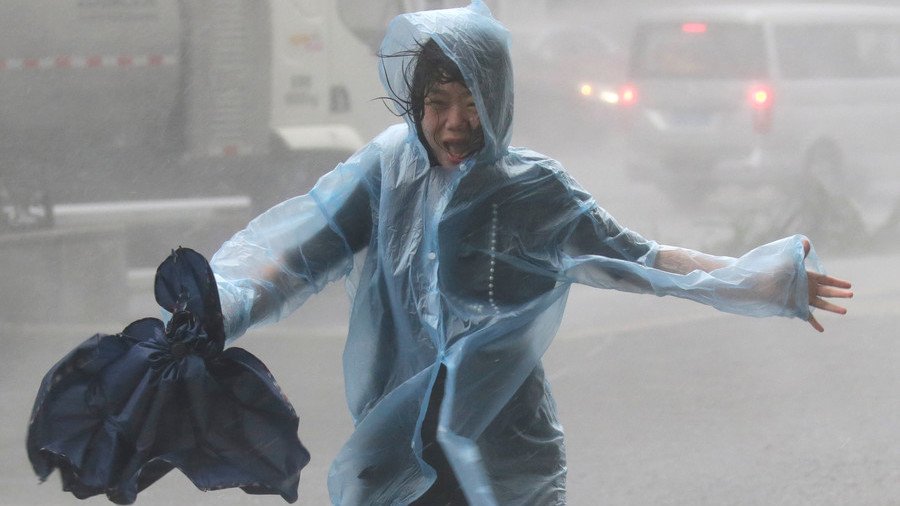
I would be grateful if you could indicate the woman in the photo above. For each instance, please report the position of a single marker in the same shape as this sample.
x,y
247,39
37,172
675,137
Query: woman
x,y
460,251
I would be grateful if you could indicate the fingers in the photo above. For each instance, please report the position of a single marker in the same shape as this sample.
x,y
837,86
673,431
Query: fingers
x,y
806,247
828,286
832,281
830,291
827,306
815,324
821,286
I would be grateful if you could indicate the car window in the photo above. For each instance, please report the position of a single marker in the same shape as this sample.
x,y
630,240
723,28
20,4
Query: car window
x,y
699,50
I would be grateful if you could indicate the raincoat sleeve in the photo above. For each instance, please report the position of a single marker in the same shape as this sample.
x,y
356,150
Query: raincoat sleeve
x,y
295,248
770,280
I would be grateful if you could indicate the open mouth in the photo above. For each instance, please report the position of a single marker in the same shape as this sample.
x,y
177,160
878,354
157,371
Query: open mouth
x,y
458,150
456,154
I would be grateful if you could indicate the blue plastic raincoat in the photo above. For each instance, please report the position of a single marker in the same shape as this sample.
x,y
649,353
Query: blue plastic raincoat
x,y
469,270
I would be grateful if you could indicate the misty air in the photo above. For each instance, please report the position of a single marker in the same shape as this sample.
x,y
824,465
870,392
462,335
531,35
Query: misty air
x,y
562,226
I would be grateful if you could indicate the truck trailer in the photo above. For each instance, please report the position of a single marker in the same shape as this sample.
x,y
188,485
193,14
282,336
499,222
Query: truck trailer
x,y
107,100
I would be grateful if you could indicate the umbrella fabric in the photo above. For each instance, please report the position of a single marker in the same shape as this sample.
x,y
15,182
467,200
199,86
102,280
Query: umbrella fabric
x,y
120,411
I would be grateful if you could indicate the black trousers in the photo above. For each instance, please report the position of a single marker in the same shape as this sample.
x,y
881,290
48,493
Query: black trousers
x,y
446,490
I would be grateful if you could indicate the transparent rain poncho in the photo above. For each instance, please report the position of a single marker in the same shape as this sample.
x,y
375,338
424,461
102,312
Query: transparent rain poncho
x,y
465,271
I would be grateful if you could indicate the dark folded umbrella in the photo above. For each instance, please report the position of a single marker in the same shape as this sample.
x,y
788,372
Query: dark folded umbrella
x,y
120,411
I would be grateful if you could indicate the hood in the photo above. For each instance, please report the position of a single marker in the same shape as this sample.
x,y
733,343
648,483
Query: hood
x,y
478,44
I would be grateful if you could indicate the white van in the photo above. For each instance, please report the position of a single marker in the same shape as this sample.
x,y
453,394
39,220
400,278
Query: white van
x,y
754,95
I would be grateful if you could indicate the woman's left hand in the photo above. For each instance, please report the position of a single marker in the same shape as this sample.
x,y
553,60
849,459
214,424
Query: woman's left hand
x,y
821,286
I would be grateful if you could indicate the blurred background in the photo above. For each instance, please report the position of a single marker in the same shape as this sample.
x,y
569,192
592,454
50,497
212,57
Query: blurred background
x,y
130,127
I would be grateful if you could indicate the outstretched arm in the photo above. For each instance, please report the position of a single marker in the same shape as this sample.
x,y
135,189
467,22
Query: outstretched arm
x,y
820,286
782,278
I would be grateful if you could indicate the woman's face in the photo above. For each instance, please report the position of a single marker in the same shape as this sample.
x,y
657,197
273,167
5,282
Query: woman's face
x,y
450,124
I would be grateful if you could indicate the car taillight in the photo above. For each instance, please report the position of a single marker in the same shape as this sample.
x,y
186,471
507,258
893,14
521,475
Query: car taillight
x,y
693,27
628,95
761,99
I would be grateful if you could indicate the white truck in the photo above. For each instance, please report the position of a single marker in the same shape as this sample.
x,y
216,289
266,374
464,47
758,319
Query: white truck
x,y
140,99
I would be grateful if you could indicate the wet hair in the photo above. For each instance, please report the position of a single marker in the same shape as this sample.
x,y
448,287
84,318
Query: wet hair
x,y
432,67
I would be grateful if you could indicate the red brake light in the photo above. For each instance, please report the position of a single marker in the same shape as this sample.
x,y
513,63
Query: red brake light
x,y
628,95
693,27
